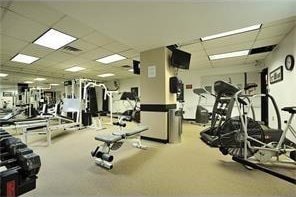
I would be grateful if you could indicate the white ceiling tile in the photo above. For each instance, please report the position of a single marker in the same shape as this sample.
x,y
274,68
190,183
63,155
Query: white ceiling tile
x,y
130,53
268,41
36,50
98,39
116,47
55,58
11,45
21,28
192,47
96,54
276,30
230,40
73,27
37,11
279,22
230,48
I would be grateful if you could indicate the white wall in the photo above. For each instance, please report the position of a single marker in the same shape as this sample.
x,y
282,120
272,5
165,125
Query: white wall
x,y
207,77
284,92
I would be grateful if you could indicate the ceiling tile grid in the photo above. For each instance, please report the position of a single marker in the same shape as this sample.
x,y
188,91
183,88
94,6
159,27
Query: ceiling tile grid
x,y
41,12
22,28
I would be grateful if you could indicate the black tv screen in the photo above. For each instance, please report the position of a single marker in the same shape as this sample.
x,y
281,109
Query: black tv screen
x,y
180,59
136,67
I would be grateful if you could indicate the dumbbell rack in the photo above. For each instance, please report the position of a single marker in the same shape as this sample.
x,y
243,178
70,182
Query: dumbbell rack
x,y
19,166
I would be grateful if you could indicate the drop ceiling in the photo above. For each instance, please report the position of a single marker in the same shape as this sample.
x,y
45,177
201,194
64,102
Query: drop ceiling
x,y
105,28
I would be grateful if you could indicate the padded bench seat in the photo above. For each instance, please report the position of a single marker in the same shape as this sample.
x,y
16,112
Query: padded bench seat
x,y
131,132
116,136
107,138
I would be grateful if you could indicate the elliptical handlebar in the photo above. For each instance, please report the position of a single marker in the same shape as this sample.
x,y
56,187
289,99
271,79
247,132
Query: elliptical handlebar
x,y
250,85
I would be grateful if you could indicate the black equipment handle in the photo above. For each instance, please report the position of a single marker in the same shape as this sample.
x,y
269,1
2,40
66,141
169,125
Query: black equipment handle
x,y
250,85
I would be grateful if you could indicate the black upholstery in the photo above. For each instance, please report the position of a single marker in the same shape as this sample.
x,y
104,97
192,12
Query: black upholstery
x,y
291,110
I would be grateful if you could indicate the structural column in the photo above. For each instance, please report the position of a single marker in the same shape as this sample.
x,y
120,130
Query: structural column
x,y
156,98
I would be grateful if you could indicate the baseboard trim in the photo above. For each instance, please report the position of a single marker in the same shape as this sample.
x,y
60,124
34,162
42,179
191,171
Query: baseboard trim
x,y
155,139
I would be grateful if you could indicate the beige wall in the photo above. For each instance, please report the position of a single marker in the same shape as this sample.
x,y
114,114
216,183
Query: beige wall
x,y
156,90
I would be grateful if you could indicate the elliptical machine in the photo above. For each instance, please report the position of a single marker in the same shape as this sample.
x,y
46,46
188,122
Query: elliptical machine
x,y
201,113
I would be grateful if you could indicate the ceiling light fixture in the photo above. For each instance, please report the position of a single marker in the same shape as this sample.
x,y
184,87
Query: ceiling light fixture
x,y
3,75
75,69
54,84
106,75
228,55
28,82
131,70
54,39
27,59
110,59
39,79
228,33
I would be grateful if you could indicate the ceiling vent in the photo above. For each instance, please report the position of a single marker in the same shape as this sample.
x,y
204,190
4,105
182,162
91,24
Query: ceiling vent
x,y
262,49
71,49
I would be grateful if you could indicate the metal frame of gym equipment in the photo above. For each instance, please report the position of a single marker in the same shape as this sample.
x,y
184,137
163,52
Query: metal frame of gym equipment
x,y
44,127
265,152
107,93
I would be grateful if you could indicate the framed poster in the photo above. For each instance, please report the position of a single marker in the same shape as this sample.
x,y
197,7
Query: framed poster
x,y
276,75
7,94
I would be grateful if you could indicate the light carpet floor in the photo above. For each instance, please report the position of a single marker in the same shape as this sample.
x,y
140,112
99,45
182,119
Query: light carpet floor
x,y
190,168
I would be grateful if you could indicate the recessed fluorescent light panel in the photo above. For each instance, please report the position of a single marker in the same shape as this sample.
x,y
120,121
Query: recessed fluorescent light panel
x,y
28,82
75,69
24,59
228,33
3,75
131,70
54,39
106,75
54,84
228,55
39,79
111,58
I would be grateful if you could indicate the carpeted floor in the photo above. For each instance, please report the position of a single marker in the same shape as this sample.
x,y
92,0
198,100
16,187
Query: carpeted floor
x,y
187,169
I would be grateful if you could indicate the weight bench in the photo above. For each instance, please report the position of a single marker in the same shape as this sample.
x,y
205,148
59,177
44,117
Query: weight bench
x,y
114,142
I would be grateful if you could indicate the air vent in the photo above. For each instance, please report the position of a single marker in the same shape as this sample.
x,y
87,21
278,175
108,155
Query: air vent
x,y
71,49
262,49
126,66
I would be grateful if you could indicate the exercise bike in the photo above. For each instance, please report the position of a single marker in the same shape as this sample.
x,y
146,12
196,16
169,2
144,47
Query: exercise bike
x,y
251,145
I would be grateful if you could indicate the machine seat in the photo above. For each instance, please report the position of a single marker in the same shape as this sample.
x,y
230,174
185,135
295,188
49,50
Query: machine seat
x,y
291,110
109,139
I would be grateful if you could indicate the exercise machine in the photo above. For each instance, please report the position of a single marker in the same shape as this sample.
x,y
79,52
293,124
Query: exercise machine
x,y
201,113
252,144
19,166
221,112
134,113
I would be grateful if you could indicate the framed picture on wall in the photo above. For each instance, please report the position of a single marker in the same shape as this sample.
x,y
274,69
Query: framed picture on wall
x,y
7,94
276,75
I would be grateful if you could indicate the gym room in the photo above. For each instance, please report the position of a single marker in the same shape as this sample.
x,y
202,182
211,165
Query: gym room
x,y
147,98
